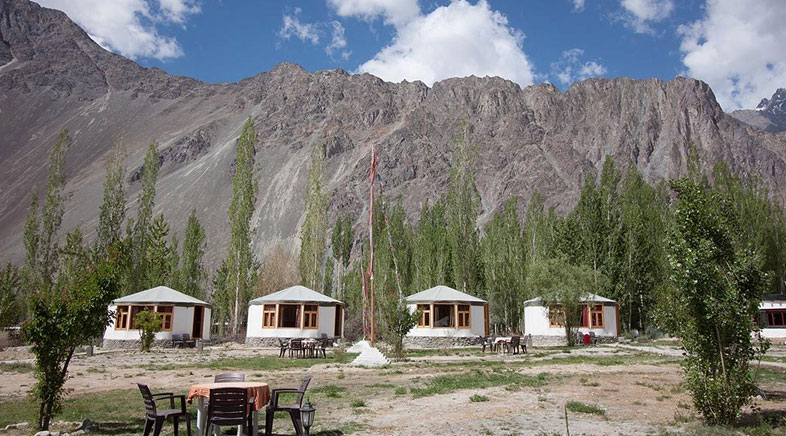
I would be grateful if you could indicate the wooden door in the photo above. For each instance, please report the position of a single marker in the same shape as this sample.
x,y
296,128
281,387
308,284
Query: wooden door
x,y
337,330
199,313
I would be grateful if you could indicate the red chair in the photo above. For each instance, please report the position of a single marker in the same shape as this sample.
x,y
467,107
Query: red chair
x,y
587,339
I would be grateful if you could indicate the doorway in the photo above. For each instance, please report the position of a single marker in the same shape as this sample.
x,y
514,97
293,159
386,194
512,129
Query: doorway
x,y
339,319
199,313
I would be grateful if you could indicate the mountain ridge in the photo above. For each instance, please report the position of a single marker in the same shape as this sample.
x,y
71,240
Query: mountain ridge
x,y
535,137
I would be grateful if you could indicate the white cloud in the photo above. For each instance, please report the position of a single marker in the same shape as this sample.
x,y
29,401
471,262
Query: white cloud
x,y
338,41
640,14
302,31
578,5
395,12
129,27
737,48
570,68
456,40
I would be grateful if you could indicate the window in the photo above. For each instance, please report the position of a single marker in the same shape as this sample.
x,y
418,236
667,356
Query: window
x,y
776,318
121,322
134,312
166,317
556,316
444,315
463,316
596,316
269,316
310,316
425,315
289,315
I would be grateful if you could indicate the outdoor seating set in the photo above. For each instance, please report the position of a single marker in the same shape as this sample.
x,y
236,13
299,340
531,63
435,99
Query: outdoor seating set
x,y
183,341
587,338
505,344
228,401
304,348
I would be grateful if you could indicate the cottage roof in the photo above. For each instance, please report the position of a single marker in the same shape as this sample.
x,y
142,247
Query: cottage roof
x,y
594,298
295,294
442,294
160,295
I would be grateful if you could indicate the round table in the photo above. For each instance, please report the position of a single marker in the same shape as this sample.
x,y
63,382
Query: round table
x,y
201,391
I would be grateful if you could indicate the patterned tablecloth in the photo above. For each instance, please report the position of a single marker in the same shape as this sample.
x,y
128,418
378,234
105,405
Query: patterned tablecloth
x,y
260,391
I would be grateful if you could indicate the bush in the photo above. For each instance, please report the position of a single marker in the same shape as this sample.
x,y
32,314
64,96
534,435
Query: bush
x,y
149,323
478,398
579,407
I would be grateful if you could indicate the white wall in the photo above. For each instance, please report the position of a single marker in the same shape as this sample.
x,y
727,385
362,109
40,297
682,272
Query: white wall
x,y
773,333
536,323
325,324
182,322
477,325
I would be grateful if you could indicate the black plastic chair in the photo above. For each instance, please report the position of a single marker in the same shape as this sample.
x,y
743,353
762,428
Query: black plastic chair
x,y
155,417
177,340
320,348
296,348
228,407
283,347
187,341
229,377
293,409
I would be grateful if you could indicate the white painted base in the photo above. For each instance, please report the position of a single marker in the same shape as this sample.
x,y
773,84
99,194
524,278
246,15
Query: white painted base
x,y
369,356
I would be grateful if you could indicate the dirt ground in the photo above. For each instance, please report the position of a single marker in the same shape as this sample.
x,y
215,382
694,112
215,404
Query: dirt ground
x,y
640,394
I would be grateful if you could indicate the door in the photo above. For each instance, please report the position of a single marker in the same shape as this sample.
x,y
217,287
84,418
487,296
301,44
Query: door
x,y
339,319
199,313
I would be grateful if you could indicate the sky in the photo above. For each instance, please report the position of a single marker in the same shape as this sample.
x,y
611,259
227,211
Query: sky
x,y
736,46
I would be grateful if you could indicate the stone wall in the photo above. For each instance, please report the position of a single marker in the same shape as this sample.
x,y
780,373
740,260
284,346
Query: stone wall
x,y
264,342
559,341
440,341
133,344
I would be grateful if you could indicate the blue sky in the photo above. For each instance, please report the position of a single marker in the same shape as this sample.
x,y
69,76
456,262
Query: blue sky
x,y
735,46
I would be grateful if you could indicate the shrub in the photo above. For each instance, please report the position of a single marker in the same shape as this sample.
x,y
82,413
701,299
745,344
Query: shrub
x,y
149,323
478,398
579,407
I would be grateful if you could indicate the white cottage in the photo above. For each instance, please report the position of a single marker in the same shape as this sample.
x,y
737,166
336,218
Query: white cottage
x,y
773,317
180,314
447,318
295,312
600,315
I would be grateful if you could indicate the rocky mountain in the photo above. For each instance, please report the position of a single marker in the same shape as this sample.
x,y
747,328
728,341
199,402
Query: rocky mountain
x,y
769,115
53,75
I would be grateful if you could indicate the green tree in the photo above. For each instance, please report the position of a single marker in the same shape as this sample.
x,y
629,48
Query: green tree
x,y
342,239
192,271
149,323
398,321
504,268
463,204
538,230
113,207
61,321
431,253
563,289
10,287
314,230
161,256
715,297
139,237
222,304
240,262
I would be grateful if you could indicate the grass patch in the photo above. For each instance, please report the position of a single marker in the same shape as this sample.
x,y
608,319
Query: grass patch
x,y
585,382
15,367
381,386
401,391
330,391
476,379
478,398
579,407
266,363
358,403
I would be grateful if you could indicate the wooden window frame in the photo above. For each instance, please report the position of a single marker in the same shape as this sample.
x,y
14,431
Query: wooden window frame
x,y
770,314
434,320
423,314
298,316
273,315
597,309
164,315
126,318
310,314
459,315
558,311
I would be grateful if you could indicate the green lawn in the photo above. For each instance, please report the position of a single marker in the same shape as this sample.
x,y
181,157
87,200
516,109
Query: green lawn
x,y
256,363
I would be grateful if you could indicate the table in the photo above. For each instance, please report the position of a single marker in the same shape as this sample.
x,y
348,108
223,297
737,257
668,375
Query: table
x,y
259,391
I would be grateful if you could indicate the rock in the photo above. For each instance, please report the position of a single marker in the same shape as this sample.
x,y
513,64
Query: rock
x,y
43,433
88,426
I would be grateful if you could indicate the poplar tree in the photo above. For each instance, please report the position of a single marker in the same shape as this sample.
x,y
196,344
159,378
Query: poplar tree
x,y
140,228
504,268
192,272
431,253
463,204
341,240
113,207
161,256
240,262
10,299
314,231
538,230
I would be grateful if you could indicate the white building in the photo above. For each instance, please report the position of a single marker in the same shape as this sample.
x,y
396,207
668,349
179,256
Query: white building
x,y
773,317
600,315
180,314
295,312
447,318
